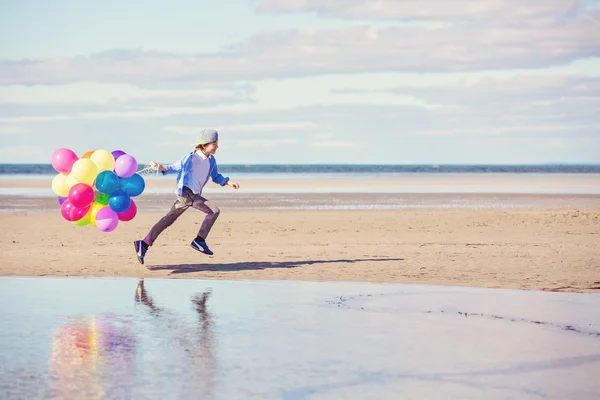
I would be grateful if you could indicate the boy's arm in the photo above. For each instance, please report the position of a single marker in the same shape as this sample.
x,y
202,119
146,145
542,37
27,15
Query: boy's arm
x,y
171,168
217,177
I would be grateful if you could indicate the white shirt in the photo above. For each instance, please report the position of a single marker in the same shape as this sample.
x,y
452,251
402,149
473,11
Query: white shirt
x,y
199,172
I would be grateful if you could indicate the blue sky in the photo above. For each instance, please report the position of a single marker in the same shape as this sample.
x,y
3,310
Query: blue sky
x,y
304,81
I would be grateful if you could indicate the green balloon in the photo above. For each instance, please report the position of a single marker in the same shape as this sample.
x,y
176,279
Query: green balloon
x,y
83,221
101,198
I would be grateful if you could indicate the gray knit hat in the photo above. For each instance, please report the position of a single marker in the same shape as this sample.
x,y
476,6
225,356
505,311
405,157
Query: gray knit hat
x,y
206,136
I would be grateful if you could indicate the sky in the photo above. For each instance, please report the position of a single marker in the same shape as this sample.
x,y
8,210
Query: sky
x,y
303,81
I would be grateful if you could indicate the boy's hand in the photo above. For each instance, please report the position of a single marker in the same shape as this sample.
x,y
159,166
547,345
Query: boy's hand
x,y
157,166
234,185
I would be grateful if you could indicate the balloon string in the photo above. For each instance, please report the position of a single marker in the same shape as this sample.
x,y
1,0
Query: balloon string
x,y
148,170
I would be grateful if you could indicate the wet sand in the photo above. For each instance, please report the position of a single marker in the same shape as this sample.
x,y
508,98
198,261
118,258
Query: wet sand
x,y
541,242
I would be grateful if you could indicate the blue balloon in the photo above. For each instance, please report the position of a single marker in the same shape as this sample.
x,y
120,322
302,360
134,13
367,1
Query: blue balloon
x,y
119,201
133,186
107,182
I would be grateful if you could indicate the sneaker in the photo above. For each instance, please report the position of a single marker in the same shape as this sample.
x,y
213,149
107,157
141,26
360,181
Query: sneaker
x,y
202,247
140,250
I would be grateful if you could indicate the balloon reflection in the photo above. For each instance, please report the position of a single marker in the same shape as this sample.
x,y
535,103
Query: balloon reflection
x,y
101,356
91,357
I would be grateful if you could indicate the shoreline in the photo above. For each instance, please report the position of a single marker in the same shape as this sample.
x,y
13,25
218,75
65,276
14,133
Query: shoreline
x,y
239,201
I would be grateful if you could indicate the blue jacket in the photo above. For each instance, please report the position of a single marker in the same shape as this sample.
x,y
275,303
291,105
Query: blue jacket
x,y
183,166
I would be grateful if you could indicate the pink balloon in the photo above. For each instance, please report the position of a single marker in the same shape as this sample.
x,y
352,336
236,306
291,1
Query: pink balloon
x,y
72,213
128,214
81,195
107,220
125,166
63,160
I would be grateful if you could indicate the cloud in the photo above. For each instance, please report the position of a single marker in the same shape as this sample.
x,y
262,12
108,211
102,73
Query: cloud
x,y
250,128
451,47
126,106
410,10
23,153
264,142
530,105
396,134
333,143
11,130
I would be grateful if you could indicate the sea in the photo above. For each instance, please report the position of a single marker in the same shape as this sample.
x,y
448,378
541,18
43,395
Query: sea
x,y
293,169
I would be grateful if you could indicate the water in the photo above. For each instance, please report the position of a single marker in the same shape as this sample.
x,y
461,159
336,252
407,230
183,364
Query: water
x,y
180,338
46,169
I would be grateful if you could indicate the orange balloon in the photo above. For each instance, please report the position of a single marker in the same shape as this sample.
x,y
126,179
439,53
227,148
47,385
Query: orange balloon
x,y
88,154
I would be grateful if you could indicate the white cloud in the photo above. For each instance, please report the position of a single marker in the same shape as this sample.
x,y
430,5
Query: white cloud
x,y
12,130
333,143
264,142
287,126
458,10
23,153
354,49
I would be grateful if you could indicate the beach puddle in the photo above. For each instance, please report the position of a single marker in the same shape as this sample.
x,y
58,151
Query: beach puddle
x,y
183,338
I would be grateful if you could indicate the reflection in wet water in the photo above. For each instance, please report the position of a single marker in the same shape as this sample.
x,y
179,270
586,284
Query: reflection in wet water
x,y
192,344
71,338
93,358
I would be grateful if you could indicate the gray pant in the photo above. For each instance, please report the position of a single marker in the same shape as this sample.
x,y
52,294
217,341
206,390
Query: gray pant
x,y
186,200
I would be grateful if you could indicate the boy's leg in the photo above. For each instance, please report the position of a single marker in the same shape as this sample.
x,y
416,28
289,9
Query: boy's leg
x,y
181,204
212,213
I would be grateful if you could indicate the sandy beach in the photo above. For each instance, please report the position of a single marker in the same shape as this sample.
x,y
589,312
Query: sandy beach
x,y
548,243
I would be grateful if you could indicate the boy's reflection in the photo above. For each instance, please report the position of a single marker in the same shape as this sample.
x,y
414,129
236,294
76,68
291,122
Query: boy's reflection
x,y
197,344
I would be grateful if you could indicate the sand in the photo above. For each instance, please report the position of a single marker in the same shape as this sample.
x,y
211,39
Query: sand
x,y
542,248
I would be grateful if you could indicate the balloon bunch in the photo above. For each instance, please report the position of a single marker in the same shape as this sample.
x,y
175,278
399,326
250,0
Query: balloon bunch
x,y
97,188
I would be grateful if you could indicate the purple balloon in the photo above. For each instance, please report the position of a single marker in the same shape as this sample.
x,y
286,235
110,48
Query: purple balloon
x,y
107,220
125,166
61,199
117,153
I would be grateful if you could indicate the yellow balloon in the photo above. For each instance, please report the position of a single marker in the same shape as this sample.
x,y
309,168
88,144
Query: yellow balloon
x,y
95,207
60,186
104,160
84,171
71,181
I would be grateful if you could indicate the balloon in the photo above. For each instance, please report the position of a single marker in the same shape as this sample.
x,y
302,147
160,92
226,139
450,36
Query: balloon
x,y
101,198
60,186
107,220
72,213
107,182
125,166
97,188
119,201
84,171
128,214
133,186
117,153
104,160
83,221
71,181
63,160
81,195
94,209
